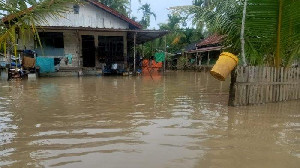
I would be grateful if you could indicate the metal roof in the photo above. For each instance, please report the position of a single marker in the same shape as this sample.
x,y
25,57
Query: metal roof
x,y
142,36
214,39
207,49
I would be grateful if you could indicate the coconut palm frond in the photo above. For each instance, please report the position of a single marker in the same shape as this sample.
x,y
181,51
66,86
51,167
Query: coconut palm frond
x,y
290,32
20,18
272,29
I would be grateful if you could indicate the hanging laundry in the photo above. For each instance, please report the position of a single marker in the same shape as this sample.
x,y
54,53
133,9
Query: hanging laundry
x,y
69,57
46,64
28,62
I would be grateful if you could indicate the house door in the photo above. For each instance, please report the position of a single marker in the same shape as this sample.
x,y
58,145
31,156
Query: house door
x,y
88,51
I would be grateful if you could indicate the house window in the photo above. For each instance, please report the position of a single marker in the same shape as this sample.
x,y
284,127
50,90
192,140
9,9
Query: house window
x,y
52,44
76,9
111,49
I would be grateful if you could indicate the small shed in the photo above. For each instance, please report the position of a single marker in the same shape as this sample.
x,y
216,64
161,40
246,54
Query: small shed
x,y
206,52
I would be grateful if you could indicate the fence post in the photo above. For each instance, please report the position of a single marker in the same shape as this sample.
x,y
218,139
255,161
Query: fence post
x,y
232,90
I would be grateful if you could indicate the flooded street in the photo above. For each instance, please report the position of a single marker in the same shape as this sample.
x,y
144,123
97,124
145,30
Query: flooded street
x,y
180,120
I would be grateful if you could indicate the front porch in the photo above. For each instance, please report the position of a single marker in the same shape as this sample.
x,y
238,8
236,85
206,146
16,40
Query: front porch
x,y
90,51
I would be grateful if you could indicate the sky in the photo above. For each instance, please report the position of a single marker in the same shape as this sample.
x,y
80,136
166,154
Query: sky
x,y
159,7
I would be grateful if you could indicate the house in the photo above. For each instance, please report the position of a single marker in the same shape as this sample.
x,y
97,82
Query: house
x,y
204,54
88,38
180,59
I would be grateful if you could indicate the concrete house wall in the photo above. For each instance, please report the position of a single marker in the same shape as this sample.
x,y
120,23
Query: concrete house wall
x,y
89,16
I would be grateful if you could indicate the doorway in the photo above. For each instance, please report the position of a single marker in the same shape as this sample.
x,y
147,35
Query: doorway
x,y
111,49
88,51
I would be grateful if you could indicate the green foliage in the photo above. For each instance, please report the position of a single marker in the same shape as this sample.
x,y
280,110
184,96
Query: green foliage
x,y
261,31
21,21
182,62
122,6
290,32
147,13
176,40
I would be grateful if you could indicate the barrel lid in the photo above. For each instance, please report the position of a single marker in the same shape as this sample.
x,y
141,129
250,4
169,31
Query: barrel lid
x,y
230,55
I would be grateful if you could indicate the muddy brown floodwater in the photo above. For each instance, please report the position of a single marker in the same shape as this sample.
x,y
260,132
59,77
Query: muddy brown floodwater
x,y
178,121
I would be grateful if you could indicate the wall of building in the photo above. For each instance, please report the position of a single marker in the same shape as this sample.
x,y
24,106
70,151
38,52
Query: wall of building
x,y
73,46
88,16
96,34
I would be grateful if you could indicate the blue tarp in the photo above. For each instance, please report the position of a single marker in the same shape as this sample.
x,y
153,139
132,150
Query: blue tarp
x,y
46,64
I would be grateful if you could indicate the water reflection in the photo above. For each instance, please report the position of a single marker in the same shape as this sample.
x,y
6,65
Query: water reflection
x,y
179,120
259,136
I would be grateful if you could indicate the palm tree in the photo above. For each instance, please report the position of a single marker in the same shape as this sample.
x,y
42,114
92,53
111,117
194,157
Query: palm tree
x,y
122,6
277,24
147,13
271,27
20,21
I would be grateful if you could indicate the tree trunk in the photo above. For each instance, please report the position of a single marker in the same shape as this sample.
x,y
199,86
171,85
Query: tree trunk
x,y
277,55
243,34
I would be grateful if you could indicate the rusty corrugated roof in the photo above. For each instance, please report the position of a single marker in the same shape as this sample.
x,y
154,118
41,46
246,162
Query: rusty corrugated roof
x,y
214,39
115,13
96,3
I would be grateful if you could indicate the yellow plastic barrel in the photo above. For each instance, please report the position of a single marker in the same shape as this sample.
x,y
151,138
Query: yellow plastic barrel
x,y
225,64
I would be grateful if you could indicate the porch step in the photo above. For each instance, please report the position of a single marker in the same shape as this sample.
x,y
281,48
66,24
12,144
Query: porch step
x,y
91,72
69,69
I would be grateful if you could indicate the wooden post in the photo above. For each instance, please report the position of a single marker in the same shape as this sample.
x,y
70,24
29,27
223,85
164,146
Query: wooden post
x,y
134,53
165,54
196,59
143,52
231,101
79,48
208,60
8,57
200,60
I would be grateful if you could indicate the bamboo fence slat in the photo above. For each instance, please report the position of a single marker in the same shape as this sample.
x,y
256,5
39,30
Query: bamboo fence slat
x,y
259,85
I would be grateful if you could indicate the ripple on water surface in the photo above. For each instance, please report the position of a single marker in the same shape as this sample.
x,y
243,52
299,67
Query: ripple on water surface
x,y
180,120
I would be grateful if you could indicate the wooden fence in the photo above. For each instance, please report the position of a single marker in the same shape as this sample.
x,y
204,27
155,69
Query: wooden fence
x,y
259,85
